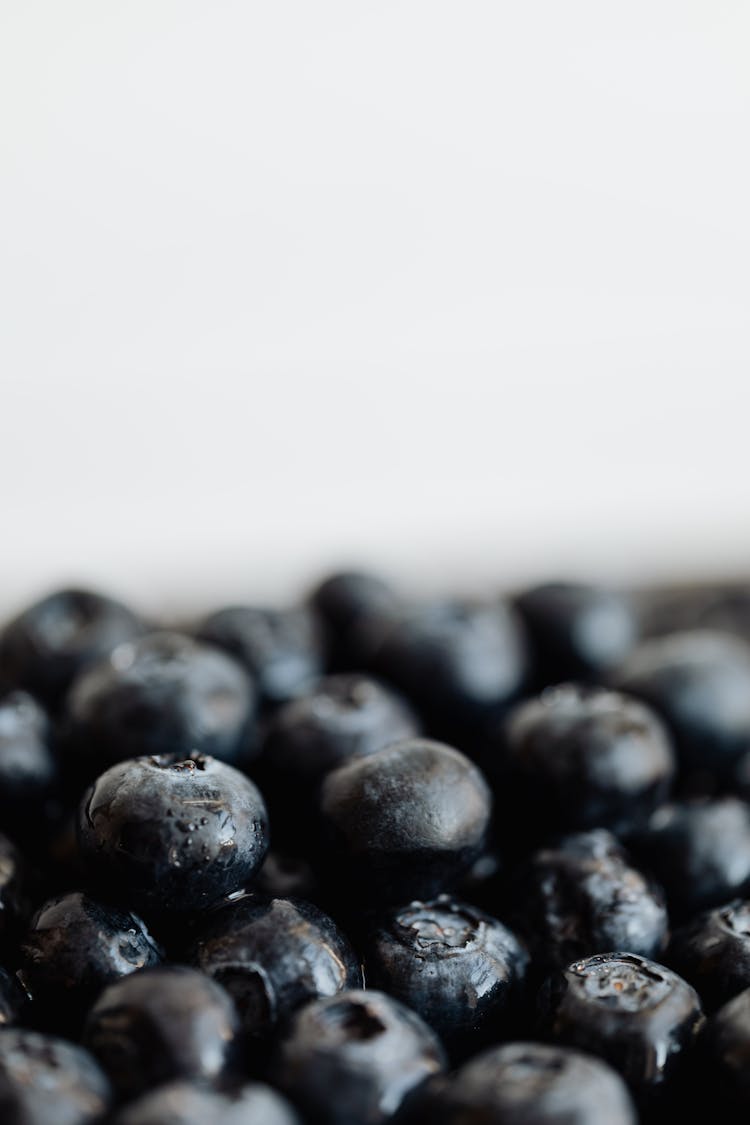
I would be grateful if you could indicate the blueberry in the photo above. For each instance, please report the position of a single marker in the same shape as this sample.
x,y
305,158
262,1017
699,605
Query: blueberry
x,y
53,641
280,649
700,852
530,1084
673,609
14,893
352,1059
458,968
172,833
582,897
28,768
75,946
182,1103
727,1046
576,758
273,956
459,662
46,1081
699,682
712,952
342,718
13,999
637,1015
163,694
355,609
161,1024
406,821
577,631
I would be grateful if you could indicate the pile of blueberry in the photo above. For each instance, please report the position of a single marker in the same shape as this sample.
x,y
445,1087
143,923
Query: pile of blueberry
x,y
370,860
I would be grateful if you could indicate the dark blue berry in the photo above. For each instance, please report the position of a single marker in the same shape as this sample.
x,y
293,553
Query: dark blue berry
x,y
576,758
407,821
46,1081
183,1103
53,641
273,956
712,952
13,999
727,1046
280,649
163,694
529,1084
637,1015
353,1059
173,833
28,769
355,609
157,1025
458,968
699,682
14,893
699,851
75,945
582,897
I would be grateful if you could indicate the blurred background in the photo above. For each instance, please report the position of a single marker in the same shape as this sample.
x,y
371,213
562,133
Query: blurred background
x,y
459,291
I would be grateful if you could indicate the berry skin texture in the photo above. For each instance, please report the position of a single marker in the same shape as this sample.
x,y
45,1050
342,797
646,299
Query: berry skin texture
x,y
700,853
273,956
582,757
727,1045
53,641
699,682
456,967
279,649
173,834
407,821
353,1059
712,952
460,662
162,1024
529,1084
75,945
181,1103
582,897
637,1015
342,718
163,694
577,632
28,768
46,1081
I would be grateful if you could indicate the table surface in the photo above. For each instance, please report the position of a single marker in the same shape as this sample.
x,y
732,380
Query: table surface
x,y
458,291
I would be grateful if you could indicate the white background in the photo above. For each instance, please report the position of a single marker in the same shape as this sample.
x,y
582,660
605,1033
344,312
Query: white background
x,y
462,289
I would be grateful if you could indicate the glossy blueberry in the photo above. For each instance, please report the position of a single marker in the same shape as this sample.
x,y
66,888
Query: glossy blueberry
x,y
28,769
273,956
352,1059
355,608
637,1015
173,833
712,952
53,641
529,1084
699,682
406,821
581,757
699,851
183,1103
163,694
75,945
582,897
46,1081
342,718
157,1025
727,1045
13,999
459,662
280,649
458,968
14,893
577,631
